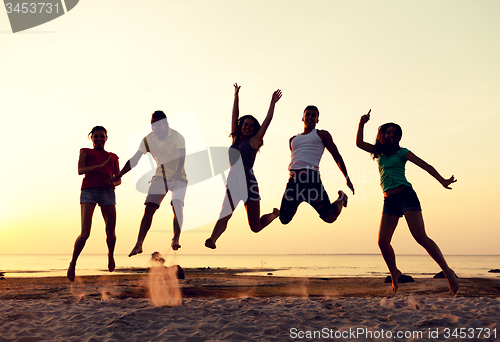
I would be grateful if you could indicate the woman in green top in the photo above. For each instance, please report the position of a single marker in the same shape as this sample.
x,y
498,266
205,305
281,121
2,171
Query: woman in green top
x,y
399,197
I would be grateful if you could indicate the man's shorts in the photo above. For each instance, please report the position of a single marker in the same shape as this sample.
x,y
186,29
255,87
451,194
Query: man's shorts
x,y
159,188
304,186
400,202
98,195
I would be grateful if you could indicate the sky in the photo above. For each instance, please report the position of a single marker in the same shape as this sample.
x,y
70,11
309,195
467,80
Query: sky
x,y
430,66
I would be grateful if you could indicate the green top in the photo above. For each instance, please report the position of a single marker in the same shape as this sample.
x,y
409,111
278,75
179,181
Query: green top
x,y
392,170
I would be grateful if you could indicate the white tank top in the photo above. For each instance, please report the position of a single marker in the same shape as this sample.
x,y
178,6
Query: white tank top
x,y
306,151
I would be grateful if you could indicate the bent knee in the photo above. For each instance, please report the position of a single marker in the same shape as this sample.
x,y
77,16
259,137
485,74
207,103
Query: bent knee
x,y
285,220
255,226
330,218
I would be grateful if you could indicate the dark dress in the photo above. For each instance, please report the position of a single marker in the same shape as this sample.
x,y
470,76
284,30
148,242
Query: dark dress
x,y
241,182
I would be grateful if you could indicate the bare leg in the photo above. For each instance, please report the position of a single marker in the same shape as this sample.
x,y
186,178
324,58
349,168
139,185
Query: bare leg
x,y
256,222
146,221
388,225
86,210
337,206
178,220
219,228
415,222
109,215
221,224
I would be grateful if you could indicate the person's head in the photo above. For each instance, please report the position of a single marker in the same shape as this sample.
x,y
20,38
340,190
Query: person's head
x,y
159,124
98,135
389,133
388,138
310,117
247,127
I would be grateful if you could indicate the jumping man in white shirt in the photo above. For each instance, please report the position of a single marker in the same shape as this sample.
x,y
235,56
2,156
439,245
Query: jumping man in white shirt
x,y
304,184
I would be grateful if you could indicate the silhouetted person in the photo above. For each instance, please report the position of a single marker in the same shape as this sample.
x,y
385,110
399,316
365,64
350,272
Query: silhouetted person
x,y
242,185
98,166
400,198
304,183
168,148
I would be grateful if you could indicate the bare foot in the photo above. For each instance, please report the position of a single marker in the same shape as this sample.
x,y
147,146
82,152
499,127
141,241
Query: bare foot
x,y
394,278
71,272
210,243
175,245
343,198
137,250
111,263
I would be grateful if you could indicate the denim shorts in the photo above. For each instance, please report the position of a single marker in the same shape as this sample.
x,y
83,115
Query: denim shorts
x,y
98,195
400,202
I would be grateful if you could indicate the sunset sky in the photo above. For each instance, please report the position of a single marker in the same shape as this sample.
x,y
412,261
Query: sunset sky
x,y
431,66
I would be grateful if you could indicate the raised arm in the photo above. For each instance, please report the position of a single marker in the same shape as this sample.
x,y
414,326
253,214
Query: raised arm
x,y
359,136
236,108
332,148
256,139
431,170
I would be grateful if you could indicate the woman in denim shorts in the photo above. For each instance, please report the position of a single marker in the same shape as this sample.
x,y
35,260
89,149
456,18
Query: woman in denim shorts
x,y
98,166
399,197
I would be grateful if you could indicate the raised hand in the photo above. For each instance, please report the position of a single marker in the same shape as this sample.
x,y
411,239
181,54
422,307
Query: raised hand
x,y
365,118
276,96
446,182
236,88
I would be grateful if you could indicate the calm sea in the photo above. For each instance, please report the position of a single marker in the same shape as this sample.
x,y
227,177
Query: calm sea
x,y
310,265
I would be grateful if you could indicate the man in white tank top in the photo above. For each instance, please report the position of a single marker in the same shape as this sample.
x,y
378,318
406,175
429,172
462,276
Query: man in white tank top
x,y
304,184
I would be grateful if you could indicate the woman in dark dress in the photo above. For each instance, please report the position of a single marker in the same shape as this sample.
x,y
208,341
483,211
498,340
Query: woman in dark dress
x,y
247,135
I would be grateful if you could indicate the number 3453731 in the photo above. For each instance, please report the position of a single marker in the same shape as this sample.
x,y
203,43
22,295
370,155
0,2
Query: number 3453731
x,y
32,7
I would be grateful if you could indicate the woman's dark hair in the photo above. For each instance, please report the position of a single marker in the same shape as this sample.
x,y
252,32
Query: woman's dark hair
x,y
256,126
381,146
97,128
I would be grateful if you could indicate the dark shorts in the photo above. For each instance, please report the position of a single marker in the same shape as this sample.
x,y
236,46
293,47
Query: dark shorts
x,y
304,187
98,195
400,202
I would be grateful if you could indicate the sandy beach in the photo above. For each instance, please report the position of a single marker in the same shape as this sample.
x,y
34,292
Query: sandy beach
x,y
221,305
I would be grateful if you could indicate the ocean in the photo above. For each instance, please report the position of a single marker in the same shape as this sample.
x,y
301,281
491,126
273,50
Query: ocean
x,y
293,265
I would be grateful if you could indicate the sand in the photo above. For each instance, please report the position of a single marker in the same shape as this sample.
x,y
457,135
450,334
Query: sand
x,y
220,305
